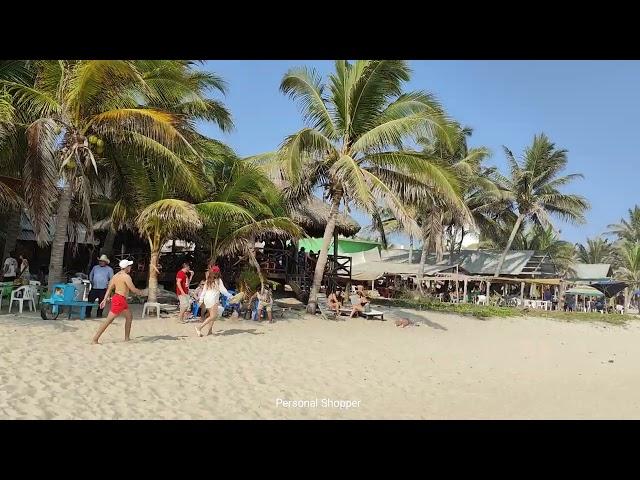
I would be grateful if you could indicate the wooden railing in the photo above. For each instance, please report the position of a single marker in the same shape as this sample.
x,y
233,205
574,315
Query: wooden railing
x,y
339,266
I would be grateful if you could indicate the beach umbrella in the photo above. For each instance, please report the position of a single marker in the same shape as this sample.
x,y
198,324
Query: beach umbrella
x,y
610,288
585,290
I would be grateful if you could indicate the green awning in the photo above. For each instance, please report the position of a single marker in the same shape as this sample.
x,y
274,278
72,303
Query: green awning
x,y
345,245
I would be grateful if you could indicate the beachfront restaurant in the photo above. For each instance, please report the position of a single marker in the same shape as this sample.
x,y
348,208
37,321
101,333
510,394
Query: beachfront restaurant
x,y
527,278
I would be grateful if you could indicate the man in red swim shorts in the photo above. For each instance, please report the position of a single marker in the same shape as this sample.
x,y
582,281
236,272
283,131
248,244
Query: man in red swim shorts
x,y
122,284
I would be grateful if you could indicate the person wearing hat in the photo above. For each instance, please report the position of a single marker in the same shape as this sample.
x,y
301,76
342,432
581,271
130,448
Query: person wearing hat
x,y
100,276
122,284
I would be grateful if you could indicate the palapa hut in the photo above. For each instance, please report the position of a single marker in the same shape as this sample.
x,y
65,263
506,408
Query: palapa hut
x,y
314,215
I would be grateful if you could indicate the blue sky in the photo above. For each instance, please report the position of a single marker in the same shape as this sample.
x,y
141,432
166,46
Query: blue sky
x,y
591,108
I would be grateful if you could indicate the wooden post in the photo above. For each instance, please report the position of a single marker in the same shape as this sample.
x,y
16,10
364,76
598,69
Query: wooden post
x,y
521,293
488,290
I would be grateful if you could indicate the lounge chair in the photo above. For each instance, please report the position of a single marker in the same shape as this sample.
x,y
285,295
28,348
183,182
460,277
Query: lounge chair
x,y
323,307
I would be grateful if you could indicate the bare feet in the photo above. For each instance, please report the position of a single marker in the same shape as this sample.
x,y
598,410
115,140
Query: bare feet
x,y
94,342
198,331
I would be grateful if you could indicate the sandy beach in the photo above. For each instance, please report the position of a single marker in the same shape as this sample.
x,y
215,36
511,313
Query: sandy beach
x,y
448,367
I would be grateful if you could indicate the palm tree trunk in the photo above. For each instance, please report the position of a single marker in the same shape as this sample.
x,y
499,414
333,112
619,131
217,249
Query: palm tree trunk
x,y
410,249
439,240
13,230
60,237
107,247
462,234
324,253
516,227
452,244
153,275
561,295
423,258
627,300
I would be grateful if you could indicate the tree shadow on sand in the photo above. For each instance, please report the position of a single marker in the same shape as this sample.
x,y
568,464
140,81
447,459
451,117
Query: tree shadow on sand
x,y
236,331
419,320
155,338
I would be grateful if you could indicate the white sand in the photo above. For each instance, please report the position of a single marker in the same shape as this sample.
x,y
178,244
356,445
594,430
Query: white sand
x,y
453,367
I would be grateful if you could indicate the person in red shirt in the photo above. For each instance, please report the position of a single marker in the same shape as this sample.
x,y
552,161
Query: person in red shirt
x,y
183,278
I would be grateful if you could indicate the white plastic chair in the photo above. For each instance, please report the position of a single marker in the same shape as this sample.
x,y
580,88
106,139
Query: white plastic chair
x,y
149,305
27,296
34,284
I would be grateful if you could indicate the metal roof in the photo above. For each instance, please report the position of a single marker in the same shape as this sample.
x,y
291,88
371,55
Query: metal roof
x,y
479,262
591,271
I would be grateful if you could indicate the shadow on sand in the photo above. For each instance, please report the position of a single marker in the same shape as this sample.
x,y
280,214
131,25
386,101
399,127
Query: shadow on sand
x,y
419,319
237,331
31,319
155,338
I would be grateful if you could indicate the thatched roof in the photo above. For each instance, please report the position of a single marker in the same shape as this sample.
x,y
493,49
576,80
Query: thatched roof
x,y
313,215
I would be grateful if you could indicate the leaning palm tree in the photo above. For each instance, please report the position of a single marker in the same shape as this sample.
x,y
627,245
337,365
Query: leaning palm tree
x,y
596,250
78,114
352,146
533,189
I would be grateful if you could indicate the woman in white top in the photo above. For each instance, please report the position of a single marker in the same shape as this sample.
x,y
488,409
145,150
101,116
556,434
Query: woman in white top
x,y
210,296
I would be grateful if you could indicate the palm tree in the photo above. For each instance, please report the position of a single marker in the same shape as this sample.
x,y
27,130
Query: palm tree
x,y
242,189
238,204
533,189
628,230
352,146
161,221
597,250
78,114
628,254
439,217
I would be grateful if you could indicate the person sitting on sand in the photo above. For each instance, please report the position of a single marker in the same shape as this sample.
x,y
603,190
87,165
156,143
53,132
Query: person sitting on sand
x,y
210,296
359,304
122,284
333,302
265,302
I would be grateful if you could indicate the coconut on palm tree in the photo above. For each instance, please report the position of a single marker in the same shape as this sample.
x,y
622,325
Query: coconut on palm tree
x,y
533,189
352,146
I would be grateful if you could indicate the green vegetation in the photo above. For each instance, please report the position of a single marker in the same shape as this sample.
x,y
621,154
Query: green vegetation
x,y
484,312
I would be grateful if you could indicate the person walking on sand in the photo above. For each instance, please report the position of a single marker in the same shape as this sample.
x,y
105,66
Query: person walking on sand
x,y
183,278
122,284
210,296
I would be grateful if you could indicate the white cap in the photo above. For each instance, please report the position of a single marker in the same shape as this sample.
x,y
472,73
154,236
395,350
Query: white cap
x,y
125,263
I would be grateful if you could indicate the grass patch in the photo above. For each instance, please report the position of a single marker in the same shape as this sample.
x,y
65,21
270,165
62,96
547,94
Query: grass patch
x,y
468,309
483,312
